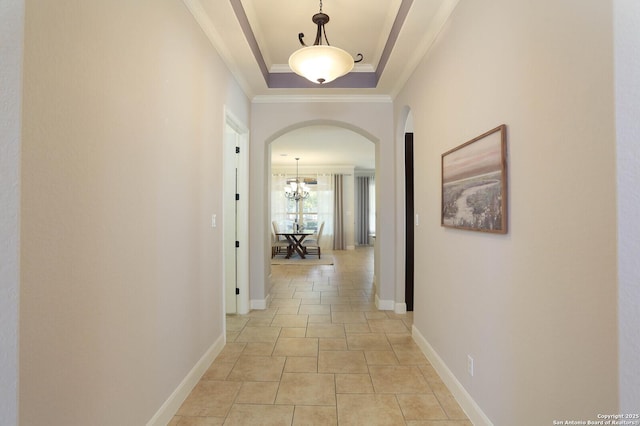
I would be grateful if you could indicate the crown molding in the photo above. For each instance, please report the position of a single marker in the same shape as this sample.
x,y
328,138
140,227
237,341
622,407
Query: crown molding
x,y
423,49
202,18
276,99
284,68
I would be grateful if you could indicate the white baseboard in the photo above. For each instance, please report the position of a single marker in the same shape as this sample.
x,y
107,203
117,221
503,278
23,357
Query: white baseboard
x,y
473,411
384,305
351,247
171,406
401,308
261,304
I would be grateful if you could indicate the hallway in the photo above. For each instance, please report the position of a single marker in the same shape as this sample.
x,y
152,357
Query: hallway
x,y
322,354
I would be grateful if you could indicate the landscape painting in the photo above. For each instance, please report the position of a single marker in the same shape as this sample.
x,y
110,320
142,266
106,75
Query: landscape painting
x,y
474,184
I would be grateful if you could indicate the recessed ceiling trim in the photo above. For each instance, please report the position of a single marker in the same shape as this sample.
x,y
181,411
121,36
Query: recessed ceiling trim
x,y
359,80
238,9
269,99
403,11
282,68
216,40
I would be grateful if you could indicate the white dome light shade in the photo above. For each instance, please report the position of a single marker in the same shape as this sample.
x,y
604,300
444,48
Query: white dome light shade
x,y
320,63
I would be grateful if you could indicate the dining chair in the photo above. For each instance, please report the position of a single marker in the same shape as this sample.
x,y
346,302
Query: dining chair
x,y
278,242
313,242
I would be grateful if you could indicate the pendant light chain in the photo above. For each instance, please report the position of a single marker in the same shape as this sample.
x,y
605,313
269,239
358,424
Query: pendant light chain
x,y
324,31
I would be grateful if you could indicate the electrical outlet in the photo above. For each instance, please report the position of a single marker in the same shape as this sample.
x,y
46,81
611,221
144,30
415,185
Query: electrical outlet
x,y
470,365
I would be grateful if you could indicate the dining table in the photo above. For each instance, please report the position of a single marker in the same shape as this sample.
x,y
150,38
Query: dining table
x,y
295,239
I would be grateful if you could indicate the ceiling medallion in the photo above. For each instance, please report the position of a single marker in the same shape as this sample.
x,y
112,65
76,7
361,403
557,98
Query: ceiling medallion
x,y
321,63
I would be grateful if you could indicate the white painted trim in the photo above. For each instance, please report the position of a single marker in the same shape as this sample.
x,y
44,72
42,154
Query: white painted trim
x,y
384,305
171,406
261,303
470,407
285,68
401,308
201,17
281,99
236,226
286,170
423,48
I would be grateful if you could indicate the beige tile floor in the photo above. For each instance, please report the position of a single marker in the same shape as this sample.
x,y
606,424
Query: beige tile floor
x,y
321,354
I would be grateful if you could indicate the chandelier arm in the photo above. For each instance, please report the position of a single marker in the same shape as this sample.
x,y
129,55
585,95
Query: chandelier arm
x,y
324,31
318,40
359,58
320,19
300,37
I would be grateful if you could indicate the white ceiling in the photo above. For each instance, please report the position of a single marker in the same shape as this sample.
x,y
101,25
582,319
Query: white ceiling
x,y
324,146
256,37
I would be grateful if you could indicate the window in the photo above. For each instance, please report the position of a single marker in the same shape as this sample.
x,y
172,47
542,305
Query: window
x,y
315,209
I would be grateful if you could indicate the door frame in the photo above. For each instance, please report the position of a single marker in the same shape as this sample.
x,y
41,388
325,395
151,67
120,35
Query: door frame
x,y
236,227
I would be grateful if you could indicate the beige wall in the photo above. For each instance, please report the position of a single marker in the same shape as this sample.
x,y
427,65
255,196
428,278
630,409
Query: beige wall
x,y
535,308
121,289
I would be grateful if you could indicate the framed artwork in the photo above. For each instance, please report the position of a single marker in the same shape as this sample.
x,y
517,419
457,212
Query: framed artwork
x,y
474,184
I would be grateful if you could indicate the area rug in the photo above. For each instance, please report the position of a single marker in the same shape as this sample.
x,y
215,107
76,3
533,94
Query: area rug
x,y
326,259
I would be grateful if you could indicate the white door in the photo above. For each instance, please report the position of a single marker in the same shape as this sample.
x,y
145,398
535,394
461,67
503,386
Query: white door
x,y
236,218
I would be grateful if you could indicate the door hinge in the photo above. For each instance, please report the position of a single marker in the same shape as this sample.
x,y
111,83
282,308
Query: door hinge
x,y
237,150
237,243
237,290
237,197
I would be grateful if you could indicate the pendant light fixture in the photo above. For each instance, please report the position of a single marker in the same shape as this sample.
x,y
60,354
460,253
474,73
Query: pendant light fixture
x,y
296,190
321,63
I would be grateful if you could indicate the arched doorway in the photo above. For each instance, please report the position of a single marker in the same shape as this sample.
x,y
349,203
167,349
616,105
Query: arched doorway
x,y
372,119
325,146
325,152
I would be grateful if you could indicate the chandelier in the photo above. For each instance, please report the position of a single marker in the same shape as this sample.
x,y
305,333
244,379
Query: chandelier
x,y
321,63
296,190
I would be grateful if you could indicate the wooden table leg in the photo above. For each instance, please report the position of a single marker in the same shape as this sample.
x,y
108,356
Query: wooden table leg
x,y
297,244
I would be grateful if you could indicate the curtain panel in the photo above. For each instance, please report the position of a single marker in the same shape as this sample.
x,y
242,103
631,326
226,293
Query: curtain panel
x,y
362,210
338,217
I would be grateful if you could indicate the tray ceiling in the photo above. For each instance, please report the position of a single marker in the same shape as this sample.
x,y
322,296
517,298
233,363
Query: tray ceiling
x,y
256,37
